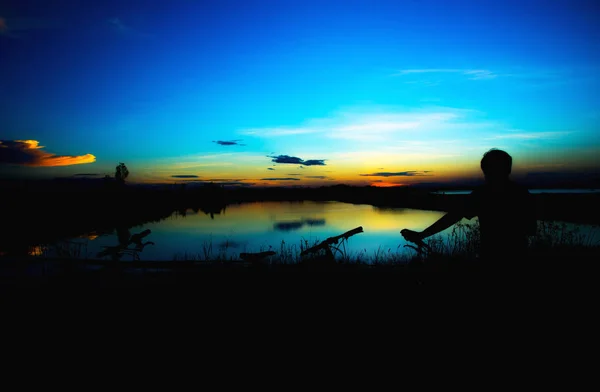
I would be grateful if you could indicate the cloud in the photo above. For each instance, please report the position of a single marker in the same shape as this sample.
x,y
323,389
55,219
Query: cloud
x,y
393,137
319,177
280,179
184,176
472,74
426,132
229,142
480,74
314,162
3,26
297,161
399,174
30,153
286,159
380,124
293,174
270,168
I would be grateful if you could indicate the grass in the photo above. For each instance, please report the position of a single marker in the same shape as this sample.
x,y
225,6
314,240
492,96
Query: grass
x,y
557,241
461,243
569,255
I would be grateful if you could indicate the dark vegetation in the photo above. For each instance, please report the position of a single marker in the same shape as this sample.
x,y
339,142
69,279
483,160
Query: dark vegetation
x,y
43,212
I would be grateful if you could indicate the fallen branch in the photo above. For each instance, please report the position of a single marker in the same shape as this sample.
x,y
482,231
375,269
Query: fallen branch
x,y
332,240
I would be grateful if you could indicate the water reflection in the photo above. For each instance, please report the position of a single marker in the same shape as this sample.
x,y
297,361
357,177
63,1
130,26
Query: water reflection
x,y
262,226
295,225
124,238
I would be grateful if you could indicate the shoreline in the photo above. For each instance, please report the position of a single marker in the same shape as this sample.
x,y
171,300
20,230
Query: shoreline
x,y
69,273
32,218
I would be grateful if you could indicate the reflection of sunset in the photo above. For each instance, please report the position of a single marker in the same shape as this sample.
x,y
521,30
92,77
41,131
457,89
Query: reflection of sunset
x,y
254,217
386,184
89,236
254,227
36,251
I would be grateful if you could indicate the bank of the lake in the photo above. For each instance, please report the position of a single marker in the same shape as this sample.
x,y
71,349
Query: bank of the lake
x,y
214,216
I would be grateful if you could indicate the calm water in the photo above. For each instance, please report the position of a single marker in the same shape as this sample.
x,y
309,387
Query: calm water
x,y
256,227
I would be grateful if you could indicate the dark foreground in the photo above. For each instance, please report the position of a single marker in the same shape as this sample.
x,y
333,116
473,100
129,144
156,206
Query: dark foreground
x,y
557,271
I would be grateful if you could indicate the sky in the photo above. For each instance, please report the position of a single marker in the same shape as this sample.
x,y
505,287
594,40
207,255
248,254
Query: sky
x,y
298,93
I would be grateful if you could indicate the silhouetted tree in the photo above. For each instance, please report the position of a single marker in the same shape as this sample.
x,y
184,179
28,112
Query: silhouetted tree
x,y
121,173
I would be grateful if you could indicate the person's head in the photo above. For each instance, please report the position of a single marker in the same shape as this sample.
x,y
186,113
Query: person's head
x,y
496,165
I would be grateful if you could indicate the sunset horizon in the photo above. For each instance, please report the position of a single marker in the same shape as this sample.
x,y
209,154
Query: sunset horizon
x,y
300,93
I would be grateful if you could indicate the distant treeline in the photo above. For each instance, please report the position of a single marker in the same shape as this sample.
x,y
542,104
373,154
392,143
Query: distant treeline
x,y
38,212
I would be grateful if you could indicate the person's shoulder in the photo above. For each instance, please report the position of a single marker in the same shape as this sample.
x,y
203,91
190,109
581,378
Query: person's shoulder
x,y
478,189
519,188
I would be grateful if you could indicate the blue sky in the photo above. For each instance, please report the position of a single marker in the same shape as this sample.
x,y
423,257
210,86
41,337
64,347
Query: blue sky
x,y
415,89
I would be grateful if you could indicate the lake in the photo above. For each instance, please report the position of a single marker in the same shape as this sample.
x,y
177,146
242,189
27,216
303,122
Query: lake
x,y
260,226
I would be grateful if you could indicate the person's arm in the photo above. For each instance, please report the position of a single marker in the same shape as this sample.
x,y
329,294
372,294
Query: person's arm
x,y
440,225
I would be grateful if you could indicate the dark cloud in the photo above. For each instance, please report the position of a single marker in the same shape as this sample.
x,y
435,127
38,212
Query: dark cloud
x,y
30,153
225,179
319,177
270,168
235,142
399,174
184,176
314,162
297,161
293,174
286,159
280,179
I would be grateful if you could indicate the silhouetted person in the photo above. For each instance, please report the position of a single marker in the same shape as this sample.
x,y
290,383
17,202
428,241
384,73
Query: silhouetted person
x,y
505,210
